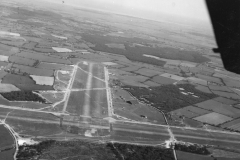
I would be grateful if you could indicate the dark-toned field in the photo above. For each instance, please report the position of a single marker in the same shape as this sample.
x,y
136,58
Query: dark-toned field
x,y
169,97
6,144
136,53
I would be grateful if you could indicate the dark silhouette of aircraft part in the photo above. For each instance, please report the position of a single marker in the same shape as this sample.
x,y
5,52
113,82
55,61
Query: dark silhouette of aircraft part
x,y
225,17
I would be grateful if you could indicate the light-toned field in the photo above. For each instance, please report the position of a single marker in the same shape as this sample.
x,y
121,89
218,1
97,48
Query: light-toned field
x,y
5,33
61,37
213,118
3,58
61,49
197,81
109,63
42,80
7,87
53,97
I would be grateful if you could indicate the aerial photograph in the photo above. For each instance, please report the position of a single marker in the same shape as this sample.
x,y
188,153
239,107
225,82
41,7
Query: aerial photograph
x,y
115,80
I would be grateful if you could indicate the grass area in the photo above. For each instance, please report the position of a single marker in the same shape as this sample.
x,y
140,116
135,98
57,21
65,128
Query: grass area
x,y
74,150
7,154
6,139
169,97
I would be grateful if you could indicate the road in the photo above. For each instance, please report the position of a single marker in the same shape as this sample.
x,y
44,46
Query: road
x,y
69,87
138,133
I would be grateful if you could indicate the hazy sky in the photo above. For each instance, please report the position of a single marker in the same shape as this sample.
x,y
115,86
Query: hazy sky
x,y
194,9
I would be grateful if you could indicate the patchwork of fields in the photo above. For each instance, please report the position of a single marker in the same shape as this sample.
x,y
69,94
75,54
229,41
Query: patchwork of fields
x,y
69,78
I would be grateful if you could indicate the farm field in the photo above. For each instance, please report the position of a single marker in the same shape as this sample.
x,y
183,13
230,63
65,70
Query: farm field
x,y
43,80
163,80
7,144
23,82
33,71
219,108
42,57
6,138
190,111
233,125
148,72
213,118
22,61
54,66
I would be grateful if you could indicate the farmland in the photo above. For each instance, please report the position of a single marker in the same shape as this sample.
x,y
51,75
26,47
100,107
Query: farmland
x,y
7,144
112,87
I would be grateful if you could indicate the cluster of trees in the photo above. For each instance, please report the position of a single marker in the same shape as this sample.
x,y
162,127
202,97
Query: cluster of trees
x,y
168,97
51,149
23,96
135,152
115,82
30,151
136,53
192,148
36,63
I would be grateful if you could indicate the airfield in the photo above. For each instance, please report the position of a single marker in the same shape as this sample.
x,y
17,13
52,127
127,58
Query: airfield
x,y
70,79
86,112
